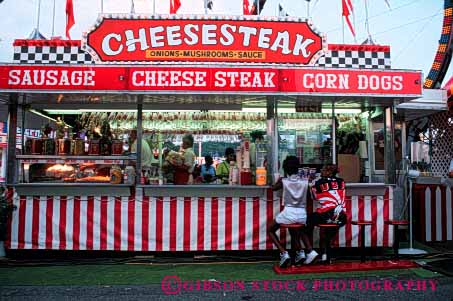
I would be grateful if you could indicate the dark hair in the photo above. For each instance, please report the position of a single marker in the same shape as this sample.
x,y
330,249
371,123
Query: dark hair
x,y
189,138
291,165
329,170
256,135
229,151
208,158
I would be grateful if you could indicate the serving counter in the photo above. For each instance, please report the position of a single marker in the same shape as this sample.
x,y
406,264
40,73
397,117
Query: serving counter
x,y
71,189
176,218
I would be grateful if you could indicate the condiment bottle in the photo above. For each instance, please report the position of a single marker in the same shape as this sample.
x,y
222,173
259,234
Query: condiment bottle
x,y
235,175
260,176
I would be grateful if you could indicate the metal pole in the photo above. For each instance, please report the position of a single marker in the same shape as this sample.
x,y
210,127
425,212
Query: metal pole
x,y
410,215
276,135
102,6
138,170
53,19
389,146
272,134
334,134
353,20
308,9
411,250
257,7
205,7
12,132
154,7
39,13
342,26
370,148
367,23
22,129
132,7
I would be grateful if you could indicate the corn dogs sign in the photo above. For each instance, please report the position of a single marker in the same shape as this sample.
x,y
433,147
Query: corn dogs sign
x,y
201,41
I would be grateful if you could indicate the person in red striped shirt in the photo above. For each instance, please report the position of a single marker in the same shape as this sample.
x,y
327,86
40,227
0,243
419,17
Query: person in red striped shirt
x,y
328,193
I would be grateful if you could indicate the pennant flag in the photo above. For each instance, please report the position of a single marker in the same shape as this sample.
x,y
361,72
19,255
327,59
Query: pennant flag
x,y
250,7
347,12
210,4
247,7
255,7
174,6
69,17
281,11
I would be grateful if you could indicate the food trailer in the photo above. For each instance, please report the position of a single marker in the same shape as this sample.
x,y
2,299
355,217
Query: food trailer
x,y
80,187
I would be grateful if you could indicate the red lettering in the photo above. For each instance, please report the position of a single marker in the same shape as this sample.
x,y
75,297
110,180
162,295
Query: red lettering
x,y
399,286
255,285
300,285
388,285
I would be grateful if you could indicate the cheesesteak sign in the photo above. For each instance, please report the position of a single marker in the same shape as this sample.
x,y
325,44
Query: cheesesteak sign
x,y
200,80
207,40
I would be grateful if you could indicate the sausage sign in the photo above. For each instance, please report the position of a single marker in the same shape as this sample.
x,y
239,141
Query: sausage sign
x,y
216,79
202,41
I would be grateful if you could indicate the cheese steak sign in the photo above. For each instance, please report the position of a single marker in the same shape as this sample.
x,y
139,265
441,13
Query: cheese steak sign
x,y
190,40
205,80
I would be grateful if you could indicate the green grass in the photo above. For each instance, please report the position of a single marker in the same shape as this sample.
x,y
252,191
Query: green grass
x,y
140,274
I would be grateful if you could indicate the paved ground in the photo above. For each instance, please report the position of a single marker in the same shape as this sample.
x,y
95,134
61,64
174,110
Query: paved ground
x,y
143,279
436,289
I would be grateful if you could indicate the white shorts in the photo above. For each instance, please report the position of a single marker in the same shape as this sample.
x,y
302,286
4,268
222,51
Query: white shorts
x,y
292,215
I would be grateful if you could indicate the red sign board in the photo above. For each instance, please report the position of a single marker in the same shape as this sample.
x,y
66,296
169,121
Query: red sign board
x,y
207,40
200,80
337,81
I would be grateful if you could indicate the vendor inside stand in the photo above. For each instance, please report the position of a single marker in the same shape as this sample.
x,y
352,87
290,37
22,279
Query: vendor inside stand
x,y
223,169
256,137
146,150
208,170
167,167
183,173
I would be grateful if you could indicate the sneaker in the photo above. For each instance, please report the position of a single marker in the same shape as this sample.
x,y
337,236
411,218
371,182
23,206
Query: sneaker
x,y
300,256
284,259
310,257
324,259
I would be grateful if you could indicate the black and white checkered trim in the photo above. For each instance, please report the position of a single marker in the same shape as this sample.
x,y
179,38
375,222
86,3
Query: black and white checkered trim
x,y
51,55
74,55
355,59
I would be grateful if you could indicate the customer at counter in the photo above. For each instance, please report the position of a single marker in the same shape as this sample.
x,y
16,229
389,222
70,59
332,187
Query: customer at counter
x,y
183,173
147,155
256,137
295,192
329,192
207,170
223,169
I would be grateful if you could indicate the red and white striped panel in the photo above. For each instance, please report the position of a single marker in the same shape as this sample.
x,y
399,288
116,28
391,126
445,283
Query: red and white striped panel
x,y
435,212
169,224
